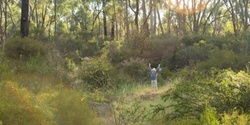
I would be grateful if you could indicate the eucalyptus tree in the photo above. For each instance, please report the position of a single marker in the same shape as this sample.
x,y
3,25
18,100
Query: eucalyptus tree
x,y
40,17
104,3
214,18
25,18
159,5
1,20
145,25
239,14
153,15
134,7
9,18
209,12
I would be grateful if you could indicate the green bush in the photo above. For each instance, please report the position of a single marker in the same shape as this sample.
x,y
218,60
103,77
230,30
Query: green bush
x,y
76,49
114,52
135,68
230,43
23,48
130,114
235,118
209,117
193,54
183,121
73,109
136,46
163,48
189,40
4,67
223,59
222,89
19,107
96,72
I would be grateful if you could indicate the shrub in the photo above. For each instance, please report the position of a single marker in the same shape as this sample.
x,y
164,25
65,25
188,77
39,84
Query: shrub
x,y
223,59
130,114
135,68
163,48
23,48
222,89
18,107
76,49
183,121
235,118
209,117
189,40
96,72
114,52
4,67
72,109
230,43
191,55
136,46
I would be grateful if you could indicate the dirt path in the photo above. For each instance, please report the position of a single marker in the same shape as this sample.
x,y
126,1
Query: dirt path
x,y
108,112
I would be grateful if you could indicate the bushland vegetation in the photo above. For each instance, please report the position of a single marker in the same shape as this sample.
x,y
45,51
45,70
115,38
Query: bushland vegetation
x,y
85,62
204,81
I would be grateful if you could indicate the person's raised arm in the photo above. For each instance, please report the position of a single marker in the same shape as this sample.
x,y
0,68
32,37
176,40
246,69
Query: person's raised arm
x,y
149,67
158,68
159,65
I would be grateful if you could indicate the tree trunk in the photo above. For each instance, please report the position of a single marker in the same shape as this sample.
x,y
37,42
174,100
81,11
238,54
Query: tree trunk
x,y
145,28
136,12
169,21
5,19
1,18
137,15
113,28
104,2
159,19
127,20
25,18
55,18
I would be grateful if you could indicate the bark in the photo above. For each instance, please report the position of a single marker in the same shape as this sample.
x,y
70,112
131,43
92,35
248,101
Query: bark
x,y
126,20
104,2
159,19
145,28
55,18
25,18
136,12
1,21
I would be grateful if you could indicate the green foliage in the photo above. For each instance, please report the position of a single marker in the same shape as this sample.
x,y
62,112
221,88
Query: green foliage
x,y
4,67
235,118
190,40
76,48
23,48
183,121
221,52
163,48
96,72
133,114
135,68
32,99
34,82
222,89
73,109
229,42
193,54
224,59
18,106
209,117
114,52
136,46
33,65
